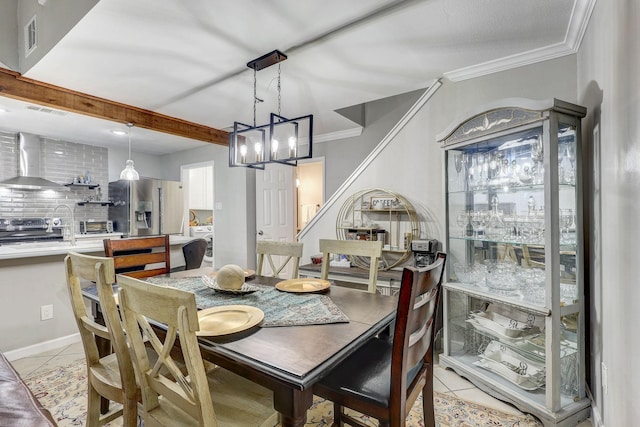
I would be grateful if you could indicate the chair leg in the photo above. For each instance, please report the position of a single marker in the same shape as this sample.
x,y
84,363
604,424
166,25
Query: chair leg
x,y
93,407
130,413
427,402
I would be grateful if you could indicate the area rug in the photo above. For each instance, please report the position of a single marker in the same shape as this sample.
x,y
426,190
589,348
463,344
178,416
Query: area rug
x,y
63,392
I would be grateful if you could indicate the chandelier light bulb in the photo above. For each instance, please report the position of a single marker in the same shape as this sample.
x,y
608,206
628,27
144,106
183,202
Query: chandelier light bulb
x,y
274,148
258,149
292,147
243,153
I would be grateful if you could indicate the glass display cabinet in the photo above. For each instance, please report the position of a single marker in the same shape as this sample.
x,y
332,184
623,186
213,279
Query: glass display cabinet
x,y
513,294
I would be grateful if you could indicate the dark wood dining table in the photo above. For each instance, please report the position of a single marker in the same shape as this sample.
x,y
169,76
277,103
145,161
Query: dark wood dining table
x,y
289,360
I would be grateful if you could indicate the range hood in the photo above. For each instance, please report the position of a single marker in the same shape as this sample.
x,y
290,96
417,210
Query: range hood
x,y
29,167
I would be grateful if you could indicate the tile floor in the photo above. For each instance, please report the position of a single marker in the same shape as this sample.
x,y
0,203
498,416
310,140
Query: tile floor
x,y
445,381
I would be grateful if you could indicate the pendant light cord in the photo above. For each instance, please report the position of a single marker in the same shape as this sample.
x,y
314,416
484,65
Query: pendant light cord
x,y
130,125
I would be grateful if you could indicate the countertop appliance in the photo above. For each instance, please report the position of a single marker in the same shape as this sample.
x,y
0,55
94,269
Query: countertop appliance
x,y
146,207
92,227
205,232
18,230
424,251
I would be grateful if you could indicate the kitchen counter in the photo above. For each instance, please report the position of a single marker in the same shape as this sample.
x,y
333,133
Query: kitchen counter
x,y
85,243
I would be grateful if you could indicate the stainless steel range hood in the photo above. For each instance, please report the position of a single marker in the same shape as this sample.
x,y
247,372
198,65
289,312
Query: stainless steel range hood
x,y
29,167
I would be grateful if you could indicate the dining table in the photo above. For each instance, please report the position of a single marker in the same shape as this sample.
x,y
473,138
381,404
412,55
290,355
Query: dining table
x,y
289,360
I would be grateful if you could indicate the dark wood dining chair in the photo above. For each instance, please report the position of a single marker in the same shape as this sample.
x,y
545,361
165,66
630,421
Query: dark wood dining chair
x,y
194,252
140,257
384,377
269,250
111,377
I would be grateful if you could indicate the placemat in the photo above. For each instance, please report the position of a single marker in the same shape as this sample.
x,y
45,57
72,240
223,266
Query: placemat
x,y
280,308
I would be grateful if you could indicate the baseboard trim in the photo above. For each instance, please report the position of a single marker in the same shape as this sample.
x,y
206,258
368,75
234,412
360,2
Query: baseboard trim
x,y
34,349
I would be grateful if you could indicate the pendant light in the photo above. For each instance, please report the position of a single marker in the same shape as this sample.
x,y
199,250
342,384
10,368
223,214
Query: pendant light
x,y
282,140
129,172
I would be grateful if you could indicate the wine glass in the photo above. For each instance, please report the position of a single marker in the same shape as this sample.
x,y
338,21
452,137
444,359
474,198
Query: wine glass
x,y
462,219
457,162
566,221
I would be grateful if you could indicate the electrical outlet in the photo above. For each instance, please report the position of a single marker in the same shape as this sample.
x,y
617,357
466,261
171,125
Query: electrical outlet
x,y
46,312
605,379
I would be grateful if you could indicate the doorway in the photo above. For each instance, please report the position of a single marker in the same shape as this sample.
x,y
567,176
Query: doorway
x,y
198,181
310,191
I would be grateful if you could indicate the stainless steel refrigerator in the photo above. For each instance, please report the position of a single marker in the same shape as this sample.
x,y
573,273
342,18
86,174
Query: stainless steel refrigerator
x,y
146,207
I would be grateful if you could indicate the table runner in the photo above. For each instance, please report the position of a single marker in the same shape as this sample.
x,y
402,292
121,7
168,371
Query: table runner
x,y
280,308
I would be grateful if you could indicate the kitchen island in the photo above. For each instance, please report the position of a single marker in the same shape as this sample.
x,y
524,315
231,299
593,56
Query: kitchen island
x,y
32,276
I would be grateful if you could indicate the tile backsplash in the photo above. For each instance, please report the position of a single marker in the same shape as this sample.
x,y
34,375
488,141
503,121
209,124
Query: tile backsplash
x,y
61,162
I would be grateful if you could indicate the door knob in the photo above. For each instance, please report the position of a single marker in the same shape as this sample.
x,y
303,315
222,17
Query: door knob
x,y
260,233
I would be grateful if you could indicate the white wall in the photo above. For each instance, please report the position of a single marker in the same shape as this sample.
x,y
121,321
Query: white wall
x,y
234,204
608,75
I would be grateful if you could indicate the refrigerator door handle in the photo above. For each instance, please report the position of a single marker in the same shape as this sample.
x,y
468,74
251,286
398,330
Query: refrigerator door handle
x,y
161,210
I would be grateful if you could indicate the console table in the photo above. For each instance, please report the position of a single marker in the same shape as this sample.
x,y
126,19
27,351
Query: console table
x,y
388,280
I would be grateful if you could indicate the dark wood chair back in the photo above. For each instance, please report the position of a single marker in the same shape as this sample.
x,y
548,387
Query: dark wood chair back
x,y
414,336
194,252
383,378
133,256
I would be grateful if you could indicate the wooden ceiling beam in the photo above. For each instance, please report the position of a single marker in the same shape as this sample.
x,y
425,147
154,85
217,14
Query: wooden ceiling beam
x,y
14,85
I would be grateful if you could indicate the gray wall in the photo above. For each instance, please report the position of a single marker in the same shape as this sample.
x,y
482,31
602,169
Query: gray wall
x,y
343,156
54,20
608,74
9,34
412,164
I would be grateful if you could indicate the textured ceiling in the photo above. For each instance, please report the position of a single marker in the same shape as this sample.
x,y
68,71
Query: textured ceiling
x,y
187,59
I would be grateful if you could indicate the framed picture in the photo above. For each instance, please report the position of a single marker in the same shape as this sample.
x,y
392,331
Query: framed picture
x,y
384,202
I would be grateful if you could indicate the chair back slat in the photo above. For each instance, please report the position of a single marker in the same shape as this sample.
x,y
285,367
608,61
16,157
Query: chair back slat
x,y
361,248
134,256
269,250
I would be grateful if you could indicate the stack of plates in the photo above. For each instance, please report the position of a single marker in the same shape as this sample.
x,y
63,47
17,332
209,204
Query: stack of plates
x,y
501,326
525,373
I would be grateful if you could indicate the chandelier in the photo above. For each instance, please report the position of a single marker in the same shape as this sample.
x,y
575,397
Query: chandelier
x,y
282,140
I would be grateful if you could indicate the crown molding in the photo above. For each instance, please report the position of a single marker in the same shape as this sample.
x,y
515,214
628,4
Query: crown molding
x,y
340,134
580,16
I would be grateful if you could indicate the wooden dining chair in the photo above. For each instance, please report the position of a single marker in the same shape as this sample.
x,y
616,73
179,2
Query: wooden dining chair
x,y
169,397
112,376
269,249
140,257
194,252
360,248
383,378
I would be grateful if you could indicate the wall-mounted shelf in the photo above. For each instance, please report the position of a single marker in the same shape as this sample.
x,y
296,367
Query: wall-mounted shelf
x,y
102,203
89,186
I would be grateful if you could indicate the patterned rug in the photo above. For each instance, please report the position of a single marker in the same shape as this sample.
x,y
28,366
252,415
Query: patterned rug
x,y
63,392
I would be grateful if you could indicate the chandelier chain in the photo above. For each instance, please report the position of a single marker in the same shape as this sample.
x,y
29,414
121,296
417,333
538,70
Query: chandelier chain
x,y
279,91
255,97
